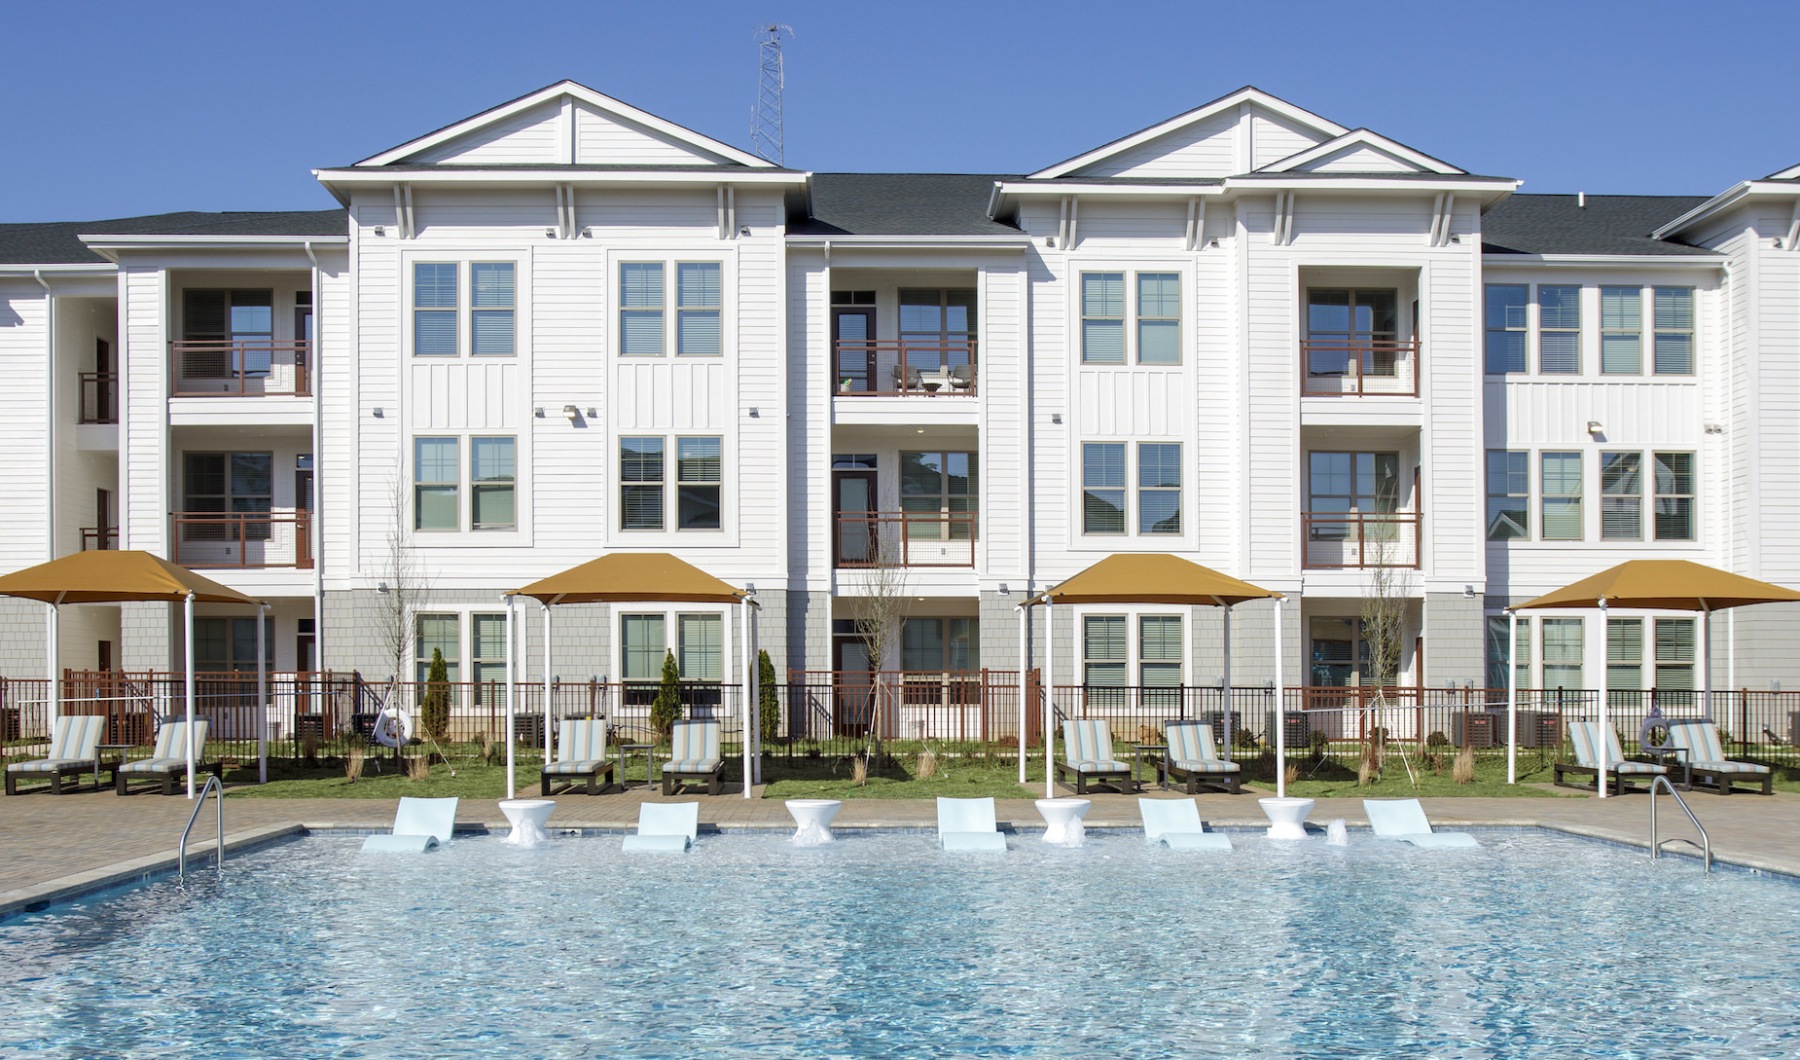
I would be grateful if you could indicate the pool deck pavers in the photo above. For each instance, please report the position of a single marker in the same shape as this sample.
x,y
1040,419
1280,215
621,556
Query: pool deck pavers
x,y
56,847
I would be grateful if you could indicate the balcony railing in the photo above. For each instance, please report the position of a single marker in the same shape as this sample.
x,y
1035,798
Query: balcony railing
x,y
905,539
904,368
99,538
99,397
248,540
1365,368
225,368
1336,540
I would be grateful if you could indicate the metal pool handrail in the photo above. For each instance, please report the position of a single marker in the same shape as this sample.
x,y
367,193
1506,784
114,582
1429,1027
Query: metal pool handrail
x,y
213,785
1705,844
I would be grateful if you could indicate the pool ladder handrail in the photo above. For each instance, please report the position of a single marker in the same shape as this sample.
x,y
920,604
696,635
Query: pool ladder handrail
x,y
1656,846
218,789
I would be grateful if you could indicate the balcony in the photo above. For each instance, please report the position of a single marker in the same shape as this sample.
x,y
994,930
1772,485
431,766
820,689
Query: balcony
x,y
1386,368
255,540
99,538
866,540
1353,540
904,368
99,397
227,368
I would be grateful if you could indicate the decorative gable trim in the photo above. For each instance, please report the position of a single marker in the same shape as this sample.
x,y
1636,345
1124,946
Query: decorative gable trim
x,y
1362,138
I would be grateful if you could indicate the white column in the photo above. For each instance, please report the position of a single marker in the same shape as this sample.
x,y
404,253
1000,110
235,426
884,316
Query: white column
x,y
1024,665
1049,698
1280,713
52,635
262,697
547,683
510,663
1225,679
188,613
1705,638
1512,696
1603,743
748,686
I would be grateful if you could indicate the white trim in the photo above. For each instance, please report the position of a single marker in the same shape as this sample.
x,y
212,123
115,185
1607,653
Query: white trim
x,y
1150,191
480,175
1009,243
1221,105
1362,138
1326,181
1592,260
1724,200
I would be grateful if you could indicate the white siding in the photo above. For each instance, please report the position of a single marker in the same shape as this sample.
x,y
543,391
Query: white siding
x,y
24,403
1359,159
532,135
1204,149
607,139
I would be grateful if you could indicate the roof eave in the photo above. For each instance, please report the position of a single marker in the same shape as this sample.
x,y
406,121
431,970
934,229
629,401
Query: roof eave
x,y
1634,260
1723,201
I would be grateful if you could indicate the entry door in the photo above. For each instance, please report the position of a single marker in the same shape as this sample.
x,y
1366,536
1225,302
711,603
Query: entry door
x,y
853,686
854,504
105,411
853,337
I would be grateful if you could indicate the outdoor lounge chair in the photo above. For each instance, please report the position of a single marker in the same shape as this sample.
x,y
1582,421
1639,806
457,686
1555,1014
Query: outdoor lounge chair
x,y
74,750
968,824
1586,737
167,763
580,752
1405,819
664,828
419,825
1193,759
1176,822
1704,755
694,755
1087,754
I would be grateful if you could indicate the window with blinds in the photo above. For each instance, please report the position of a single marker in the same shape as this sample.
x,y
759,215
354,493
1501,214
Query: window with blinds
x,y
1509,495
697,309
1507,318
1674,496
434,309
1103,318
641,309
699,474
1103,488
1561,479
1561,652
492,295
492,484
1621,330
641,483
1674,340
1159,659
1559,330
436,483
1621,497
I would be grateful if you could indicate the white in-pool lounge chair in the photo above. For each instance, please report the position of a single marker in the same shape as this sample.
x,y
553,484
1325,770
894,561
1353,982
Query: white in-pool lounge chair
x,y
1405,819
694,755
968,824
664,828
1088,756
1704,753
1588,740
419,825
167,763
1193,759
74,750
1177,823
580,753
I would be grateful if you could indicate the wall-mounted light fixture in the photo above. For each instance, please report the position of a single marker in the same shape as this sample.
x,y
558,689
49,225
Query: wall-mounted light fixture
x,y
755,413
1596,427
1469,592
378,412
538,412
1056,417
571,413
1004,591
382,588
380,231
549,233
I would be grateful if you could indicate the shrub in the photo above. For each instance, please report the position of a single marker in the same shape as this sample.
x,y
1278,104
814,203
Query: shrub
x,y
434,709
768,701
666,709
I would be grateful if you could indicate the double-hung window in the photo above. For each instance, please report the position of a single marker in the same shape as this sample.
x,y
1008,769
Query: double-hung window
x,y
641,482
644,483
435,483
1559,330
1675,660
437,325
1624,661
439,485
1621,330
1104,659
487,643
693,326
641,309
1159,659
1561,484
1499,646
1621,497
493,291
1159,487
492,484
699,652
698,298
699,475
1103,488
1507,319
1145,314
442,633
1159,318
1103,318
1509,495
1562,652
1674,496
643,642
1674,325
1107,504
434,309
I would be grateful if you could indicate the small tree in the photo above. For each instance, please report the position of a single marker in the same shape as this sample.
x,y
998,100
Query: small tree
x,y
768,701
667,706
879,623
434,710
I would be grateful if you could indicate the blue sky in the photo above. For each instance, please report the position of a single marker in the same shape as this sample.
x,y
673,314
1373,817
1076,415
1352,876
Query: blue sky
x,y
115,109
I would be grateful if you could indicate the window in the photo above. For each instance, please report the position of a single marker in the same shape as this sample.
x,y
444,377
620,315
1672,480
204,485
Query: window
x,y
700,647
1159,318
1621,497
228,645
434,309
1509,495
940,645
1103,318
1562,497
1159,487
438,330
1159,659
442,633
697,309
642,647
491,484
491,301
1338,484
1675,654
938,495
1674,496
1103,658
234,329
641,309
488,657
937,328
1559,330
1621,330
225,495
1103,488
1624,661
1506,322
698,471
1562,652
1342,325
1674,341
641,483
435,482
1499,642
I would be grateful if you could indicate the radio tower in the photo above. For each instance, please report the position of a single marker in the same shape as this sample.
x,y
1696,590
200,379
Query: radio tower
x,y
765,117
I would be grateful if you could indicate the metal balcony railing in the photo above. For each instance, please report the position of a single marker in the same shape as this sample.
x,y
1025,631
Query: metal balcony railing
x,y
1359,367
1336,540
904,368
227,368
249,540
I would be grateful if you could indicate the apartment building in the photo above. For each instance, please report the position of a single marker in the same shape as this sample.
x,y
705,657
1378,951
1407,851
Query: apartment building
x,y
1300,353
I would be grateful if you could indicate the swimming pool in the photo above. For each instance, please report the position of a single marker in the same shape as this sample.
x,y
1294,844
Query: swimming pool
x,y
880,945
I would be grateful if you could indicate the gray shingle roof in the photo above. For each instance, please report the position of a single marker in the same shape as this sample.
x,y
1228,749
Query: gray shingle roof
x,y
1608,224
901,204
57,242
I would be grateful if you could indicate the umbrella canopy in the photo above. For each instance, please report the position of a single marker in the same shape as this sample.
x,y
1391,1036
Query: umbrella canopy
x,y
632,577
1664,585
114,576
1136,578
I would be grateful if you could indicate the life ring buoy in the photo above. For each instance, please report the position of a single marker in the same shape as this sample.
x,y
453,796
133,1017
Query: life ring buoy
x,y
1655,726
393,727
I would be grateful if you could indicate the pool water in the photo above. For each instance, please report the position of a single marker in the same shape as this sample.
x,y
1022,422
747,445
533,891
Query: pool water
x,y
881,946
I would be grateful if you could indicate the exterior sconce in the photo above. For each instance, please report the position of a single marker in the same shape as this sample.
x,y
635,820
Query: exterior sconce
x,y
571,413
1596,427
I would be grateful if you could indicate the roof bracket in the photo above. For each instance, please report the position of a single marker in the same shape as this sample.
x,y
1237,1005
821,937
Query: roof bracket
x,y
1196,222
1793,232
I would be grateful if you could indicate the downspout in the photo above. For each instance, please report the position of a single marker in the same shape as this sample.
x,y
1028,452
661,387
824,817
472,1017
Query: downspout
x,y
50,416
1728,292
318,538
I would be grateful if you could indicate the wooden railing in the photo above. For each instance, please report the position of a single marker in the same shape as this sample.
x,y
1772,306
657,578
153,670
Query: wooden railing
x,y
1335,540
251,540
99,538
99,397
225,368
903,367
1366,368
904,539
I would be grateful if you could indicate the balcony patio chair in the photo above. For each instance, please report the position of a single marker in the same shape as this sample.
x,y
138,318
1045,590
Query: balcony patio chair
x,y
664,828
962,377
694,755
906,378
419,825
1194,760
1405,819
74,750
167,763
580,752
1176,822
968,824
1700,749
1088,756
1588,741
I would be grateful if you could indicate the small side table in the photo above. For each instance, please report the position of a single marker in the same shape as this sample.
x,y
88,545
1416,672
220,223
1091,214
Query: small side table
x,y
1674,757
118,758
1137,764
626,750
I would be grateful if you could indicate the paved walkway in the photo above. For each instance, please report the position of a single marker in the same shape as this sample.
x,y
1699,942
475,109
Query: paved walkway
x,y
52,848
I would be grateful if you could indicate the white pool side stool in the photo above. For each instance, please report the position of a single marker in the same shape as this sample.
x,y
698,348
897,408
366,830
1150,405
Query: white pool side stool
x,y
419,825
1176,822
1405,819
968,824
664,828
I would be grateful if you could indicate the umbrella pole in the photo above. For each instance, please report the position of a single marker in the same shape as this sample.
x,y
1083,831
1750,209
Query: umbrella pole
x,y
511,661
1024,666
188,612
1225,684
1605,645
262,696
1280,714
1706,702
1049,698
547,685
52,635
1512,697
